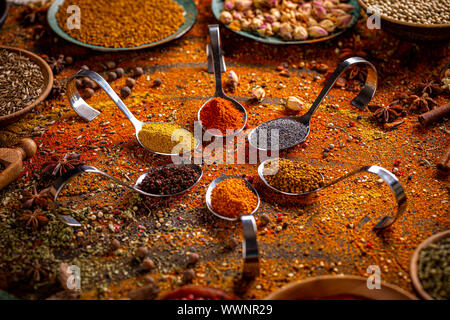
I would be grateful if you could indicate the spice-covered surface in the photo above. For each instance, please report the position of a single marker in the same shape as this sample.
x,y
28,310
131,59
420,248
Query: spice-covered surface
x,y
131,248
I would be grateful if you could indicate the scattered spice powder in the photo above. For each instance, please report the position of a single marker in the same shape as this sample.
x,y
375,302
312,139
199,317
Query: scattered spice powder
x,y
292,176
221,114
21,82
232,198
121,23
164,137
170,179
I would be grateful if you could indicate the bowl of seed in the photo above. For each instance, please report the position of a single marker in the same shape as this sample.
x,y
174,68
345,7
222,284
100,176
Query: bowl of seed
x,y
4,7
25,81
424,20
430,269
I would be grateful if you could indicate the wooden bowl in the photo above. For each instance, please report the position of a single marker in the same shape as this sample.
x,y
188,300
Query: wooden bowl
x,y
4,7
413,31
48,84
413,269
328,286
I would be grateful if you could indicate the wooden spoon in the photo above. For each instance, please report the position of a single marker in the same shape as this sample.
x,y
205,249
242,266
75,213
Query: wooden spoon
x,y
12,159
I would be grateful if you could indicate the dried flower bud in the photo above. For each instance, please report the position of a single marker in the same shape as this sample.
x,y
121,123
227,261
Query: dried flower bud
x,y
344,21
245,24
229,5
327,25
306,9
258,93
256,23
275,13
294,104
243,5
286,31
317,32
237,15
225,17
319,12
269,18
346,7
300,33
311,22
233,79
276,26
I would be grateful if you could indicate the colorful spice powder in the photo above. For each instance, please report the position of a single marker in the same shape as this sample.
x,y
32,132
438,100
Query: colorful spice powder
x,y
171,179
121,23
232,198
291,176
166,138
221,114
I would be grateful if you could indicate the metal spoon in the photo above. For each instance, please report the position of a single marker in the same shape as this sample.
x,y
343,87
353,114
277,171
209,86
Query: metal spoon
x,y
361,100
62,181
216,58
389,178
88,113
250,252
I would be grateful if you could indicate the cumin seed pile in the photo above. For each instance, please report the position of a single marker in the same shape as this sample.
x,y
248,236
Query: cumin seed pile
x,y
21,82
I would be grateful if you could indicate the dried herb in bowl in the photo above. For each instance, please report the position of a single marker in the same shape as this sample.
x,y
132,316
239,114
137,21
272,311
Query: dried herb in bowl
x,y
21,82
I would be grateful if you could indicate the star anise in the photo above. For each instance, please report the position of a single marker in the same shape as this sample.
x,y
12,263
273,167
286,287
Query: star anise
x,y
385,114
422,104
429,87
357,73
33,15
59,166
58,89
33,219
40,199
37,271
56,64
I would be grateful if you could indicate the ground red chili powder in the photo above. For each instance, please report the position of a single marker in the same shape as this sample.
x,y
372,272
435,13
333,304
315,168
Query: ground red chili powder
x,y
221,114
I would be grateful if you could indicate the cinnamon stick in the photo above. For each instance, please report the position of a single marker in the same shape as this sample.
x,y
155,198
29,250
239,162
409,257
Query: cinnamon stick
x,y
434,115
444,163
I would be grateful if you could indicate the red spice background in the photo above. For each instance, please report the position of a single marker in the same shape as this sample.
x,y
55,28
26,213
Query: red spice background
x,y
328,234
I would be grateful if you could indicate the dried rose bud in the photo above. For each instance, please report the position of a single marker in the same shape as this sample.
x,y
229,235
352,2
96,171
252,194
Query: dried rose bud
x,y
110,64
256,23
300,33
294,104
232,77
237,15
344,21
229,5
327,25
276,26
258,93
306,9
286,31
275,13
225,17
319,12
317,32
346,7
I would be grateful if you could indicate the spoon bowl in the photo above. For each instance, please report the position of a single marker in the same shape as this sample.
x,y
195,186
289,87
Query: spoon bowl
x,y
214,184
216,57
361,100
88,113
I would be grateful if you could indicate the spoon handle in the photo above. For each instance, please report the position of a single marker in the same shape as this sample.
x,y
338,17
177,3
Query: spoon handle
x,y
62,181
250,252
83,109
393,183
366,94
216,54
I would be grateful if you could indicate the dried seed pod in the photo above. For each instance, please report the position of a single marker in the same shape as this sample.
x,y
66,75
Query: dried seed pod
x,y
294,104
258,93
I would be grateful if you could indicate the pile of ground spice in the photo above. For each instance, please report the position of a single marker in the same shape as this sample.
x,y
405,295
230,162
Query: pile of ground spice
x,y
166,138
21,82
121,23
171,179
232,198
433,271
221,114
289,132
292,176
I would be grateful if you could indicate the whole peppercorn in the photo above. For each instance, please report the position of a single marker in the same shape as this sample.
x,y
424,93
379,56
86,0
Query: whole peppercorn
x,y
111,76
148,264
120,72
130,82
157,82
85,67
264,219
188,276
87,93
141,252
125,92
69,60
138,72
110,64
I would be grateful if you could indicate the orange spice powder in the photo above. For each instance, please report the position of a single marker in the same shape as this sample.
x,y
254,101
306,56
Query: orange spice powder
x,y
221,114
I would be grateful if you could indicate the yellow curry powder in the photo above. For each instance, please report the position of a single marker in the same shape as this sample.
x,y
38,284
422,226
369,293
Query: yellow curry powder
x,y
166,138
232,198
122,23
292,176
